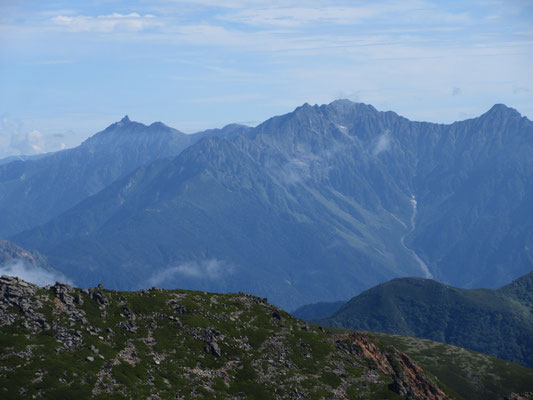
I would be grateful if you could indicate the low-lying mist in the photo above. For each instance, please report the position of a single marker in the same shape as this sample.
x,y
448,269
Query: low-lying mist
x,y
31,273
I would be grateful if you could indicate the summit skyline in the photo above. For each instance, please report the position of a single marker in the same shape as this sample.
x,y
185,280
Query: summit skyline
x,y
67,69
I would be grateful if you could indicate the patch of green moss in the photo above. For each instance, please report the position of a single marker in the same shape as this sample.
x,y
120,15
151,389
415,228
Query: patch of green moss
x,y
331,379
129,375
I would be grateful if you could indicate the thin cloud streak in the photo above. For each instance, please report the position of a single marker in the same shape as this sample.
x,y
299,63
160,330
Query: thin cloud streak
x,y
106,23
210,269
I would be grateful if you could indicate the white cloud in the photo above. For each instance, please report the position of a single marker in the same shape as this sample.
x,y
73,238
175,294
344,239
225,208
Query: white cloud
x,y
293,172
33,274
204,269
297,16
268,26
393,54
35,140
16,140
106,23
383,143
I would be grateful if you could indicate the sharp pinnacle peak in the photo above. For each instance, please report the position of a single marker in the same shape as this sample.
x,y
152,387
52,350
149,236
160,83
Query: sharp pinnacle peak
x,y
502,109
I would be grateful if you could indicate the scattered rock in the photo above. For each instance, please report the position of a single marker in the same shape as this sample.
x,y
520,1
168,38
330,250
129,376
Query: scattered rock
x,y
99,296
213,348
128,326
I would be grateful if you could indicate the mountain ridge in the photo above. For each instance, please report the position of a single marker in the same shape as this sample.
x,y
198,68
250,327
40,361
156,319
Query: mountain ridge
x,y
314,205
35,190
497,322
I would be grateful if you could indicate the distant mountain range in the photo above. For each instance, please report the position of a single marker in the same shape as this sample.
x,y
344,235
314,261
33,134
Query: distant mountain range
x,y
34,189
315,205
317,310
9,159
496,322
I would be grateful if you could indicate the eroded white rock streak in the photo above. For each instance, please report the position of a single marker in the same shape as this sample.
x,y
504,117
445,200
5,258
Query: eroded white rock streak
x,y
421,263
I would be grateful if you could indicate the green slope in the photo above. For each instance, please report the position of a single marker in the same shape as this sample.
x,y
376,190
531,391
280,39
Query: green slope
x,y
469,374
62,343
495,322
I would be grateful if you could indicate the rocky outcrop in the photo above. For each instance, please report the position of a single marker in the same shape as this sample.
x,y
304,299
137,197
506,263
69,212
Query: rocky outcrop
x,y
17,294
408,379
520,396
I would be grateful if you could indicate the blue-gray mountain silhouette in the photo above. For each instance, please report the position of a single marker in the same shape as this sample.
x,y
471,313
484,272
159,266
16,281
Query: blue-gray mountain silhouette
x,y
315,205
35,189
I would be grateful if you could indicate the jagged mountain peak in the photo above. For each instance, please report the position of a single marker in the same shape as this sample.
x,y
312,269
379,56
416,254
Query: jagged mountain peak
x,y
337,105
342,104
127,129
60,180
502,110
305,107
123,122
315,118
311,182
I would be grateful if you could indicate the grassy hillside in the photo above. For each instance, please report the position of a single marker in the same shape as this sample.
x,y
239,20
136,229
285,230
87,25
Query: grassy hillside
x,y
59,342
468,374
495,322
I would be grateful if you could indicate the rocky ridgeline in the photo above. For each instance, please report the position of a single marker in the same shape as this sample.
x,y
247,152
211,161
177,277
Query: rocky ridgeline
x,y
63,342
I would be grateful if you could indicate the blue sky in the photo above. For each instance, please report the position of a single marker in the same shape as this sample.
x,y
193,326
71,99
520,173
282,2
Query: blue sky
x,y
70,68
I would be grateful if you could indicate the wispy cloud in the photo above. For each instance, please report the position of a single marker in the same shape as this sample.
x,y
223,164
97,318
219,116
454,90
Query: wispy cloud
x,y
106,23
210,269
32,273
262,26
382,143
299,16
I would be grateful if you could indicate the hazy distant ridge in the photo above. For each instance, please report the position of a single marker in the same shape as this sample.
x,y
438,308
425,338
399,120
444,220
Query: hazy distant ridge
x,y
315,205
